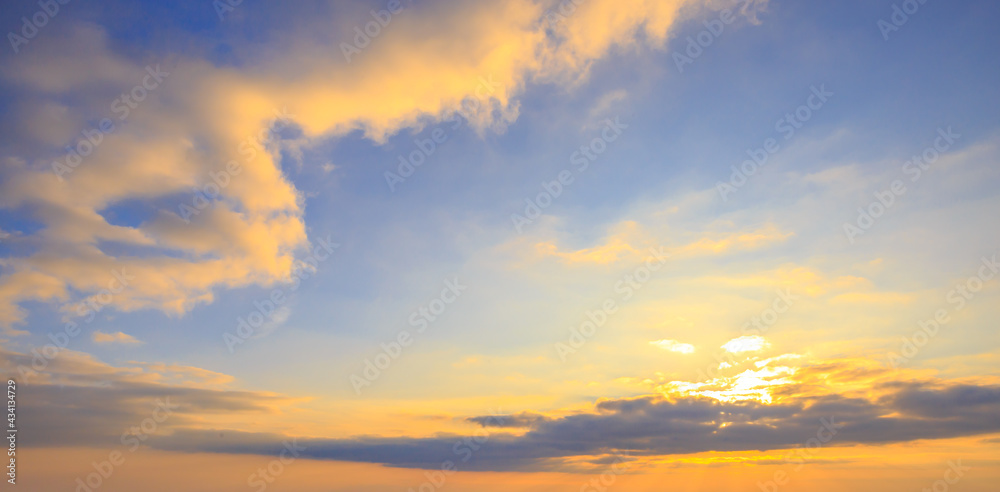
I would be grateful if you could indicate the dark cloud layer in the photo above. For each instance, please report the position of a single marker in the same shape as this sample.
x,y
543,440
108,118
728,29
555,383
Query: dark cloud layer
x,y
82,402
653,425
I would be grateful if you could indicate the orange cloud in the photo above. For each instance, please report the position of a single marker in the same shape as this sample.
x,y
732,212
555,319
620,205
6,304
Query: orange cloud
x,y
117,337
201,119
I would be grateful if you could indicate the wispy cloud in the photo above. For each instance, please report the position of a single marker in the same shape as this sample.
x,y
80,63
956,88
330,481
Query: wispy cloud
x,y
674,346
117,337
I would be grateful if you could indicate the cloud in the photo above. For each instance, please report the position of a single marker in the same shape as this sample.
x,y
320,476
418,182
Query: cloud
x,y
674,346
520,420
206,128
76,400
118,337
746,343
765,236
862,401
630,240
616,248
247,229
656,426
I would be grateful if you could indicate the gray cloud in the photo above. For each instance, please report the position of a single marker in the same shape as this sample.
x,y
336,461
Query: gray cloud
x,y
82,402
652,425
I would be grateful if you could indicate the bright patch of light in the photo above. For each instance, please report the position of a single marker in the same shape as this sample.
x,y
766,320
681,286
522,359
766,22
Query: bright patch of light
x,y
762,363
748,385
674,346
749,343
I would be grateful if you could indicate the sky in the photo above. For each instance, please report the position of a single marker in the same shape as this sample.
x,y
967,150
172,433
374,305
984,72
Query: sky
x,y
540,245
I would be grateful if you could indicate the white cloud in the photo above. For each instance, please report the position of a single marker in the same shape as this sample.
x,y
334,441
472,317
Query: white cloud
x,y
749,343
674,346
